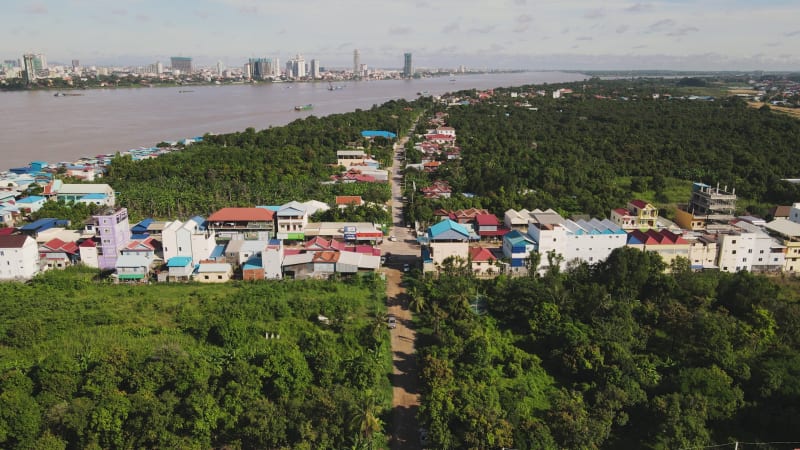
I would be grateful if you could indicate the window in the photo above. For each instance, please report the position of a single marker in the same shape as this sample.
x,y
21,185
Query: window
x,y
219,277
733,252
760,259
206,277
762,252
733,241
751,251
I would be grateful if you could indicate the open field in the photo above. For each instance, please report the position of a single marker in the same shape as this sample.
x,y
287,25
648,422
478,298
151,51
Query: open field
x,y
793,112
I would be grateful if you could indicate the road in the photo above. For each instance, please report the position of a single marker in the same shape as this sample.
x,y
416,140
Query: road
x,y
405,392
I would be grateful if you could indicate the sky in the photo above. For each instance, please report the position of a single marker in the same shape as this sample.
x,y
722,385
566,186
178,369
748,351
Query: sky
x,y
494,34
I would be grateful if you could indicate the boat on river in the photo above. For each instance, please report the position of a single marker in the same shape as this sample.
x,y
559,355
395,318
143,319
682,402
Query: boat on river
x,y
307,107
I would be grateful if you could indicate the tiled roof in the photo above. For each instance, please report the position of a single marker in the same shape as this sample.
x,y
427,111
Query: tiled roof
x,y
12,241
241,214
641,204
486,220
349,200
481,254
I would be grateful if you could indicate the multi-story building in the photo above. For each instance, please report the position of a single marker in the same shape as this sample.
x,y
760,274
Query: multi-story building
x,y
587,241
292,219
702,250
19,257
191,239
789,232
314,69
356,63
408,69
347,158
181,63
261,68
708,208
446,239
637,216
242,223
113,233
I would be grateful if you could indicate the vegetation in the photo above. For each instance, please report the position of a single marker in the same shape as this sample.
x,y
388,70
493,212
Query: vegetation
x,y
595,150
615,355
268,167
88,365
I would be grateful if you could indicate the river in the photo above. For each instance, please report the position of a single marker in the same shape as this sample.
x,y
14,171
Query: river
x,y
38,126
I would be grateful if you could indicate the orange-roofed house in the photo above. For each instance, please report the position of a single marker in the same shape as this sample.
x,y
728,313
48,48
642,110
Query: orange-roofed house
x,y
243,223
343,201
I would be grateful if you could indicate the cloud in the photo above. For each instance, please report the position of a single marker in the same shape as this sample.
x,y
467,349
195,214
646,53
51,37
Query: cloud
x,y
450,28
400,31
683,31
523,23
483,30
792,33
622,28
36,8
661,25
639,8
594,14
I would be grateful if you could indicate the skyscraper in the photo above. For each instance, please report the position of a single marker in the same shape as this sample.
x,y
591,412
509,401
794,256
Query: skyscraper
x,y
408,70
181,63
261,68
30,69
75,64
314,68
356,62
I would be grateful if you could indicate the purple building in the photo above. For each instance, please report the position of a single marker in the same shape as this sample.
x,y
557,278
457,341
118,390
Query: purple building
x,y
114,233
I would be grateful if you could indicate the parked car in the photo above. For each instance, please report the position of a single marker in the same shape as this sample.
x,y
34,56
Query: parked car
x,y
392,239
391,322
406,267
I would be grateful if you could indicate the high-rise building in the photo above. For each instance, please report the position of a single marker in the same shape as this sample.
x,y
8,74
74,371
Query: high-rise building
x,y
220,68
247,71
30,69
276,67
181,63
408,70
261,68
315,68
356,62
39,62
75,64
159,68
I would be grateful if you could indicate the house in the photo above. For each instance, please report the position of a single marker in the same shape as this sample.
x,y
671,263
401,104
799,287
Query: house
x,y
180,268
517,220
132,267
242,223
517,247
30,204
668,245
75,192
445,239
88,253
213,272
347,158
272,260
191,238
19,257
794,213
768,253
323,264
343,201
789,232
140,247
85,172
33,229
358,232
292,219
239,251
113,231
707,208
488,227
57,254
439,189
638,215
483,261
589,241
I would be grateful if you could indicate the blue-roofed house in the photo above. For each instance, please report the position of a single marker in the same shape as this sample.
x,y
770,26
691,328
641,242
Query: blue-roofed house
x,y
180,268
445,239
33,229
30,204
94,199
141,227
517,247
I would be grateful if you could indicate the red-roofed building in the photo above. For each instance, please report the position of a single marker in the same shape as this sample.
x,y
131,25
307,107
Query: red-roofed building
x,y
489,227
440,138
667,244
483,261
57,254
242,223
439,189
343,201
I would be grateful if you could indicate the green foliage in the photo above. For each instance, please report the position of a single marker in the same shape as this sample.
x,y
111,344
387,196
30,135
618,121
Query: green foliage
x,y
85,365
615,355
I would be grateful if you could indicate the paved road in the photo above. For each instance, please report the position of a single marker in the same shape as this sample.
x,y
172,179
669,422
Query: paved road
x,y
405,393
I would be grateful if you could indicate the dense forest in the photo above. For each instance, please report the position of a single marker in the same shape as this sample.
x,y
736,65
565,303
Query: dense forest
x,y
611,141
615,355
267,167
91,365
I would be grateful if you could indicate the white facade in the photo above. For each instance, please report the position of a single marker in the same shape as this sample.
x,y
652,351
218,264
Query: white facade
x,y
272,261
702,251
187,239
794,213
587,241
19,257
736,251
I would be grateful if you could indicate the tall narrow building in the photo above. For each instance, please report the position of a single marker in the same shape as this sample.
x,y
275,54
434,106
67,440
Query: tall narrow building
x,y
356,63
408,70
315,69
30,69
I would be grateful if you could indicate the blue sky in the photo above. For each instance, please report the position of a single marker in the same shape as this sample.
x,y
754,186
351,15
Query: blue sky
x,y
529,34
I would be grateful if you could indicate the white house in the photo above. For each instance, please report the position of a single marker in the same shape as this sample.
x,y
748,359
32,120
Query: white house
x,y
190,238
213,273
31,204
292,219
19,257
588,241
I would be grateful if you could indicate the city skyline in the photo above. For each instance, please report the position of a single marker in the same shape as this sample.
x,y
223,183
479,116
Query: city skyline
x,y
517,34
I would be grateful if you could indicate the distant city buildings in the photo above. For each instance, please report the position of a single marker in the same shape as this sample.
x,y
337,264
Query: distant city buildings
x,y
356,62
315,74
181,63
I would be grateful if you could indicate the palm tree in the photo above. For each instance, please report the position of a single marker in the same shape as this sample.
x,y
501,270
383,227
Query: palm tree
x,y
365,421
417,302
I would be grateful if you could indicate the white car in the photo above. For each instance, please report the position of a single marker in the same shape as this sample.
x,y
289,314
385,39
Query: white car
x,y
392,239
391,322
